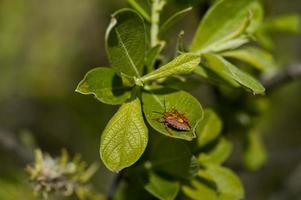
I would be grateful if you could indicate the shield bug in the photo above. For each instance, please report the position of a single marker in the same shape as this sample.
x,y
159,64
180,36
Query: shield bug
x,y
175,120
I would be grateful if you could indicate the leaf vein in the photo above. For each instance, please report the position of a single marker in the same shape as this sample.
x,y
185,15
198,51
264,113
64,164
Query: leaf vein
x,y
127,53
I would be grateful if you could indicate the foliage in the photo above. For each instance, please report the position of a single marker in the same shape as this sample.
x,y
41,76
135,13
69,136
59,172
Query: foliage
x,y
139,142
125,137
161,188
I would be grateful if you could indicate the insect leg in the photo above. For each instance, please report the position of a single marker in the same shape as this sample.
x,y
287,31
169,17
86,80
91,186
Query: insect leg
x,y
158,112
160,120
168,129
165,104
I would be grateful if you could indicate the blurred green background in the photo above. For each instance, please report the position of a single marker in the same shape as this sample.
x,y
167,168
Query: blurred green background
x,y
47,46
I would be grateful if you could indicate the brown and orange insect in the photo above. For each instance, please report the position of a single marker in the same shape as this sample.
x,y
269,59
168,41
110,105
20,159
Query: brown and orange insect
x,y
175,120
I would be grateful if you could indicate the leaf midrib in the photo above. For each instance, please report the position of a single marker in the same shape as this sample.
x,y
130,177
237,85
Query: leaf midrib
x,y
128,117
209,43
127,53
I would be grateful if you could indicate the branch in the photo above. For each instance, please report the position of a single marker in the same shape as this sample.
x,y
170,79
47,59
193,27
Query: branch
x,y
291,73
10,143
114,185
157,6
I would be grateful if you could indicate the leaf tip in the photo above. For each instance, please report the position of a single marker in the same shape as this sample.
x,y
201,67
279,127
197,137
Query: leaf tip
x,y
82,87
261,91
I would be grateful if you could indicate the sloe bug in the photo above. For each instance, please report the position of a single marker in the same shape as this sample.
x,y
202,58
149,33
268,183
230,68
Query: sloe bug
x,y
174,119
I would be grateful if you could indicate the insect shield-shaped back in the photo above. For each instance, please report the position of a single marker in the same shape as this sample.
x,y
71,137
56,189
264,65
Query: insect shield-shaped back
x,y
176,120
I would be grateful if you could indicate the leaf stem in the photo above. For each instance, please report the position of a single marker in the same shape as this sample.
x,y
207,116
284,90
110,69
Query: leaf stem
x,y
157,6
135,92
141,10
114,185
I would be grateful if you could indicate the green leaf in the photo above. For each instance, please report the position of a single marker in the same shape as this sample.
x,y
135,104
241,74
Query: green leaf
x,y
209,128
230,44
254,151
161,188
180,47
121,191
264,39
129,189
284,23
142,7
227,197
201,71
194,166
183,64
182,83
256,57
215,183
213,77
226,20
173,19
290,23
171,157
200,191
227,182
125,137
256,16
156,102
220,152
230,73
125,42
151,57
105,85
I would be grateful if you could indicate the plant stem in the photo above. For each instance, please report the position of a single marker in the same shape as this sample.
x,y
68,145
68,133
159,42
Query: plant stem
x,y
157,6
114,185
10,143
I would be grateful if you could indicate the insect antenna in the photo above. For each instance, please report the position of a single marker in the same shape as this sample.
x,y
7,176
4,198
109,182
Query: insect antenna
x,y
165,104
158,112
160,120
